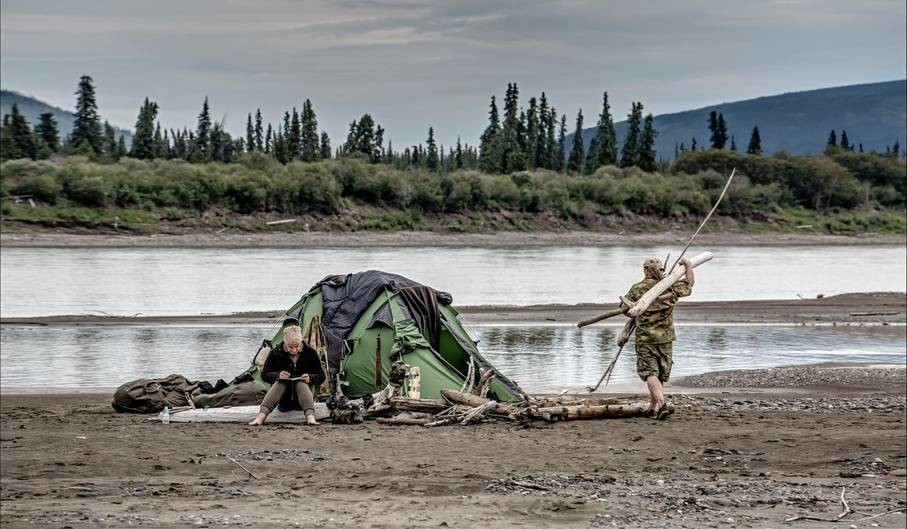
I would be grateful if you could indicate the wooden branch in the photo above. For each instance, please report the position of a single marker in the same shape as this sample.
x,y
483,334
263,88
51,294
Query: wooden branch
x,y
484,382
477,412
242,467
621,309
458,397
844,504
402,421
653,293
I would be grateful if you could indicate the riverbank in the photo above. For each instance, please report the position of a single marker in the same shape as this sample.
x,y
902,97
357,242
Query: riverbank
x,y
867,308
730,456
505,239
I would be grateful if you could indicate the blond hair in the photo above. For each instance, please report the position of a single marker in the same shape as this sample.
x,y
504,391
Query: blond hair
x,y
292,336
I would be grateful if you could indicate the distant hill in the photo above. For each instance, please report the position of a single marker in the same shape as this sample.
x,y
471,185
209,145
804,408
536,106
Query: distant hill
x,y
31,108
798,122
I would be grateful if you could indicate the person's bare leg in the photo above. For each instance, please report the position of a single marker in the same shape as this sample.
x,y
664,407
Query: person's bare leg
x,y
656,392
272,397
259,419
307,400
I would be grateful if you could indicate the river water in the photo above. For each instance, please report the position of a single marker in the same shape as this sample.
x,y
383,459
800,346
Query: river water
x,y
178,281
163,281
538,357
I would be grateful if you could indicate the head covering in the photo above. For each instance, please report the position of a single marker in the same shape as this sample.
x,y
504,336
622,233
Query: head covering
x,y
654,268
292,336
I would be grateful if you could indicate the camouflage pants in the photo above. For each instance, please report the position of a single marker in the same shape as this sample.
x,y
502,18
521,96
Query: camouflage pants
x,y
654,359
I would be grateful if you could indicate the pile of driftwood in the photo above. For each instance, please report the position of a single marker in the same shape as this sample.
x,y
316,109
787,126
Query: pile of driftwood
x,y
458,407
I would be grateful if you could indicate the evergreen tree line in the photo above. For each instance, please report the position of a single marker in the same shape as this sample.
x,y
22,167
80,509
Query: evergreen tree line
x,y
524,139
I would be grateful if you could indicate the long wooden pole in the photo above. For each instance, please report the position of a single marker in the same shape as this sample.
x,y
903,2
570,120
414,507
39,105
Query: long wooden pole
x,y
707,217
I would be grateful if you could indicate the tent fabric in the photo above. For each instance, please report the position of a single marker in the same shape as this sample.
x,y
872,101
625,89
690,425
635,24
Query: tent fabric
x,y
345,297
423,305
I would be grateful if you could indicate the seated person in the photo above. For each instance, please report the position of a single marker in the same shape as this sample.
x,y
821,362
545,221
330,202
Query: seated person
x,y
291,368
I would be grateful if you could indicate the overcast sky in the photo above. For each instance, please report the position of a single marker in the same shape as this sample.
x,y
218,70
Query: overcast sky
x,y
413,63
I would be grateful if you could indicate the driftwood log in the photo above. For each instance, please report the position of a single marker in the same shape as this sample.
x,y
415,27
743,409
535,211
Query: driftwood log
x,y
653,293
432,406
402,421
577,413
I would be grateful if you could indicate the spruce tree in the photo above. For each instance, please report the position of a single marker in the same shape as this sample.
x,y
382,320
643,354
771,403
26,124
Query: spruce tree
x,y
577,157
532,132
269,138
23,140
605,139
551,144
259,132
489,142
7,147
143,139
110,141
47,132
377,154
160,144
325,146
755,145
202,145
832,139
541,144
733,143
713,129
693,144
294,140
431,159
721,134
561,152
647,154
86,126
512,156
250,133
310,149
280,148
630,153
458,155
845,143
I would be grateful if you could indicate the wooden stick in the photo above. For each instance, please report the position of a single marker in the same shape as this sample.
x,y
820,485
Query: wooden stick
x,y
467,399
526,485
846,507
622,308
477,412
242,467
707,217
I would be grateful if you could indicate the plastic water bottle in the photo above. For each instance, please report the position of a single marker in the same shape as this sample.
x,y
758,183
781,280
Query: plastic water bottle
x,y
165,415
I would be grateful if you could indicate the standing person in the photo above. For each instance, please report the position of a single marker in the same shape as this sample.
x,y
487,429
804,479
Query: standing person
x,y
292,369
655,332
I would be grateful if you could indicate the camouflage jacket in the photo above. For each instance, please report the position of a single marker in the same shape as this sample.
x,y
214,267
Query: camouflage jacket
x,y
656,324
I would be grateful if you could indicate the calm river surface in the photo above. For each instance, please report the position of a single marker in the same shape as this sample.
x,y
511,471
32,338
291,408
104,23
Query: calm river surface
x,y
179,281
539,358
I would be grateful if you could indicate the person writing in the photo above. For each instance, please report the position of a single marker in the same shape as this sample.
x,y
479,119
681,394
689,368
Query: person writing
x,y
292,369
655,332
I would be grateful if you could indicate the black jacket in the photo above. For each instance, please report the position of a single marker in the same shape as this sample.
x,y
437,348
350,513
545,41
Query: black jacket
x,y
306,363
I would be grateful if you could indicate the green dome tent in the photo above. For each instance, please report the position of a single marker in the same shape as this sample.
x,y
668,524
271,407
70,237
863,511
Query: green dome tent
x,y
371,319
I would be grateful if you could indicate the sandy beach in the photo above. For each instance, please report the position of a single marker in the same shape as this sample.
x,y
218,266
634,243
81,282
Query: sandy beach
x,y
745,449
425,238
866,308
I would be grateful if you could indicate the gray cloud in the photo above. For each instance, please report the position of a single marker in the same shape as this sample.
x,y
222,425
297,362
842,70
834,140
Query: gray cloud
x,y
418,63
